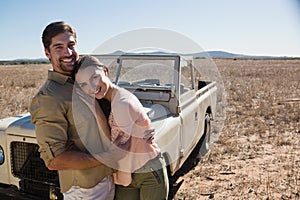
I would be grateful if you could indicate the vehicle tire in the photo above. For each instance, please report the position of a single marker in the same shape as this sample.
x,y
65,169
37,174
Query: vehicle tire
x,y
205,139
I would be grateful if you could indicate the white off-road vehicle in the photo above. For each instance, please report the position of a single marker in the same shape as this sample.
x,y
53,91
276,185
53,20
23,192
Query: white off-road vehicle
x,y
179,104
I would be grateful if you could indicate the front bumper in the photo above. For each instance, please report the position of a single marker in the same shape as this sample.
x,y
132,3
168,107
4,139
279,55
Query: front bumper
x,y
11,192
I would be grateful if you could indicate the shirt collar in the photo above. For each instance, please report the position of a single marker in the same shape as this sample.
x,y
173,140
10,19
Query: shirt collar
x,y
60,78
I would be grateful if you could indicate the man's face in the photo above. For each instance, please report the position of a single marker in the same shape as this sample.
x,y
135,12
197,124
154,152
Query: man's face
x,y
63,53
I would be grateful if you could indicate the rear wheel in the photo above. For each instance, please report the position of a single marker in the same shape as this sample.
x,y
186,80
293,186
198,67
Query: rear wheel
x,y
205,139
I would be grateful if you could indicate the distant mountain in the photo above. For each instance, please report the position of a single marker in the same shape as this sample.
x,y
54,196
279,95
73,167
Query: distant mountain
x,y
24,61
224,54
216,54
118,53
32,60
211,54
204,54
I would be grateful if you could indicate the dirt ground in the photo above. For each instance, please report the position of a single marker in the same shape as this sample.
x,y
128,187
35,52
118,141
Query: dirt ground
x,y
256,155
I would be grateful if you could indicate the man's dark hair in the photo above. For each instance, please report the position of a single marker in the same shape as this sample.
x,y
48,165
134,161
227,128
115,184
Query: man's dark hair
x,y
54,29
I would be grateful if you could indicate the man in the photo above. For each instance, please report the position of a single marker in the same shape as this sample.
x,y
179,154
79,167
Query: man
x,y
80,174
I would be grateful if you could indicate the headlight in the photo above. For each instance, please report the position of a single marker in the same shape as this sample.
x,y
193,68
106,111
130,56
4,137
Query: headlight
x,y
1,155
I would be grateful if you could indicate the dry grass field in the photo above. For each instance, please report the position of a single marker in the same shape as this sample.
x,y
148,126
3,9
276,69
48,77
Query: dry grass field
x,y
257,153
18,84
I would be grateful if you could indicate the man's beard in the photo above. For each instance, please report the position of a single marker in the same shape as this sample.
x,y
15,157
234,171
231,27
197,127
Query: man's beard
x,y
67,68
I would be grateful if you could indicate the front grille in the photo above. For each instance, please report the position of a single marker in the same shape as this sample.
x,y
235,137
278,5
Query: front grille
x,y
39,189
30,168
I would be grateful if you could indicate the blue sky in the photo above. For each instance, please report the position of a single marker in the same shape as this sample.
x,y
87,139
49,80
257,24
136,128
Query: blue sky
x,y
254,27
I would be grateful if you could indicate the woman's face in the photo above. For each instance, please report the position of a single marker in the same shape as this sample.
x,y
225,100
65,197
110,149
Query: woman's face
x,y
92,81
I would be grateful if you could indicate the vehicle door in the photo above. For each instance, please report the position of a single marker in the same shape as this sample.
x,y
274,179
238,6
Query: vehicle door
x,y
188,111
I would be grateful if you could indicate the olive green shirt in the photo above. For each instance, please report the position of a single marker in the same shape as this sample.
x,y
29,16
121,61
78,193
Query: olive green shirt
x,y
52,112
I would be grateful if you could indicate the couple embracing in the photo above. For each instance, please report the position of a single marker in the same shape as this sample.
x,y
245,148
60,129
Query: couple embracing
x,y
93,132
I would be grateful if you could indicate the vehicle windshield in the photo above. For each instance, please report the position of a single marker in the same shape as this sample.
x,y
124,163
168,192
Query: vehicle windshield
x,y
156,72
146,72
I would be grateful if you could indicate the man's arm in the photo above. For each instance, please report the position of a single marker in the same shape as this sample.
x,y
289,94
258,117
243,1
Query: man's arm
x,y
51,131
73,160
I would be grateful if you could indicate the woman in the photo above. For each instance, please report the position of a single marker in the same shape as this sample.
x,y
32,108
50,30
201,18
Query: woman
x,y
141,173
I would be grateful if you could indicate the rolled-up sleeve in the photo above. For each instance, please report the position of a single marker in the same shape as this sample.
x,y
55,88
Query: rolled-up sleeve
x,y
48,115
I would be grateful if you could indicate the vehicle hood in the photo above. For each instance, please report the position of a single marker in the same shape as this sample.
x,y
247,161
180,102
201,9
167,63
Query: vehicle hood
x,y
156,112
21,126
159,116
5,122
